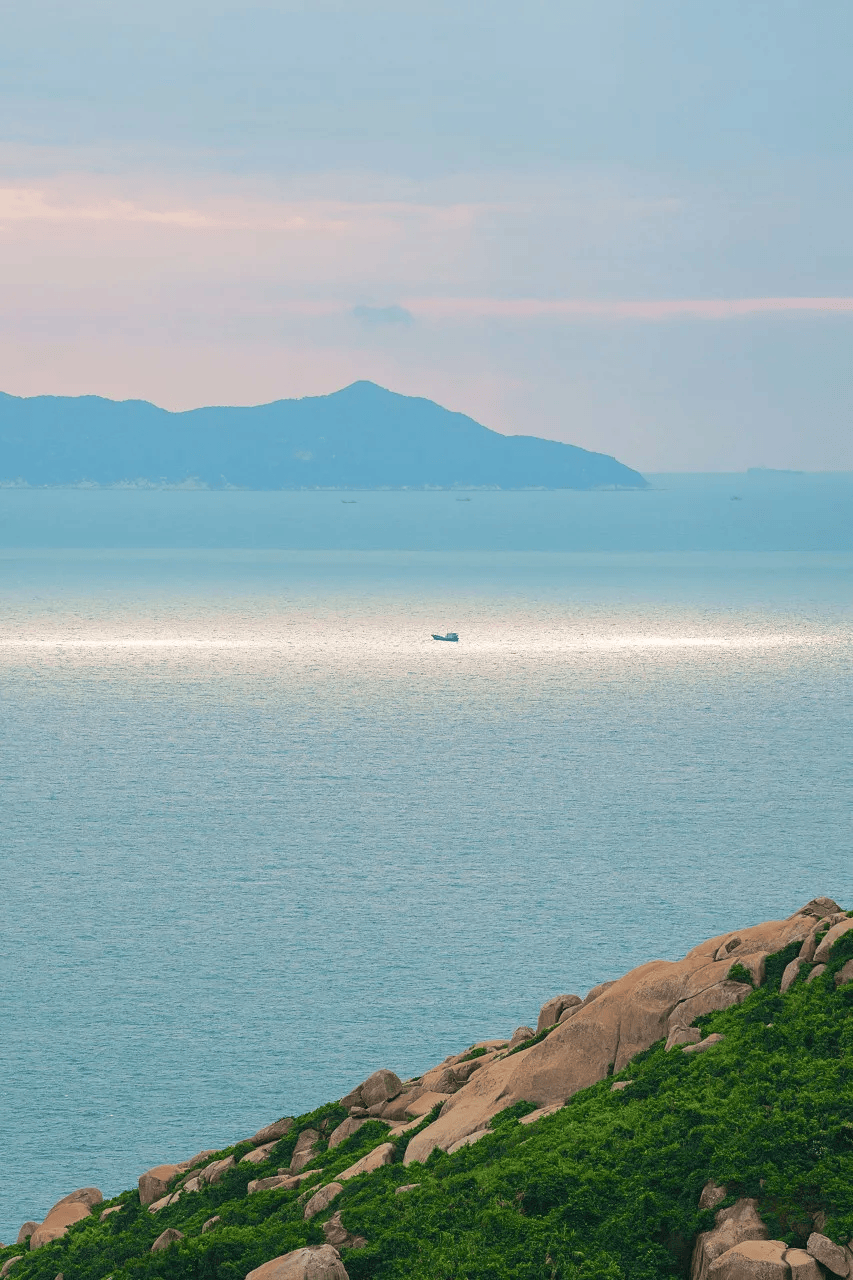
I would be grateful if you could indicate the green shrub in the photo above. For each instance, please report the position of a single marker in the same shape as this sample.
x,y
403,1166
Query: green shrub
x,y
778,963
739,973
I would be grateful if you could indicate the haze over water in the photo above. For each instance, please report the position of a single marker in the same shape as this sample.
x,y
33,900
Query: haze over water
x,y
262,835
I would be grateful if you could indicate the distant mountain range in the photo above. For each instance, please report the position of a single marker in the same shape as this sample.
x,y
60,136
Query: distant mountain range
x,y
362,437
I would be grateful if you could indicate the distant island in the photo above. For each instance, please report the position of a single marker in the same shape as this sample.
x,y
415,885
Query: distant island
x,y
362,437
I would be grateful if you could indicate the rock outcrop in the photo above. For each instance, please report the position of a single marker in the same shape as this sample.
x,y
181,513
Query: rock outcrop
x,y
154,1183
215,1172
168,1237
375,1159
702,1045
337,1235
832,1256
752,1260
616,1021
303,1152
379,1088
322,1199
733,1226
844,925
67,1211
712,1195
272,1132
317,1262
259,1155
584,1041
344,1130
281,1181
520,1035
803,1265
792,972
553,1009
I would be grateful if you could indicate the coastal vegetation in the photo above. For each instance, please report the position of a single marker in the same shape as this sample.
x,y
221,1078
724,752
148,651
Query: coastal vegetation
x,y
608,1186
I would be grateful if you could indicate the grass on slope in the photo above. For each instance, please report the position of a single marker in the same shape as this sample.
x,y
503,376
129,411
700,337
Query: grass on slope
x,y
603,1189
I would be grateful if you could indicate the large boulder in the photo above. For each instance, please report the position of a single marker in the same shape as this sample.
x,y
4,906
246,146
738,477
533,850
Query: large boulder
x,y
845,974
752,1260
57,1223
163,1201
820,908
423,1104
279,1182
272,1132
9,1264
807,950
712,1195
803,1265
344,1130
826,944
70,1209
552,1009
378,1088
337,1235
154,1183
616,1021
215,1172
468,1141
520,1035
375,1159
397,1108
84,1195
196,1160
316,1262
792,971
702,1045
679,1035
442,1079
303,1152
830,1255
720,995
733,1226
168,1237
322,1199
259,1155
26,1231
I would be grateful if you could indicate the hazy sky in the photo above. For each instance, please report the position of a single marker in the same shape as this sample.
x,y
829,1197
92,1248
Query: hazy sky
x,y
623,224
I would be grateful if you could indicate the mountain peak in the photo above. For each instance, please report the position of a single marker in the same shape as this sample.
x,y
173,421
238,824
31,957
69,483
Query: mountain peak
x,y
363,436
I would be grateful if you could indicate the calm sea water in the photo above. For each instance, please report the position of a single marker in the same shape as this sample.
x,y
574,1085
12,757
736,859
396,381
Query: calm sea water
x,y
262,835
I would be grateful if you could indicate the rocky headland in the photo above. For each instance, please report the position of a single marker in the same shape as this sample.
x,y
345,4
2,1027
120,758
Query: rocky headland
x,y
693,1118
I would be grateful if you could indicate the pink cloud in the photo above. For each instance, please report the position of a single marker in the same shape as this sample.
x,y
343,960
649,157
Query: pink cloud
x,y
616,309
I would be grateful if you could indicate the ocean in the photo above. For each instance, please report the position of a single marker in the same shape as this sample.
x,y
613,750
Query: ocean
x,y
262,835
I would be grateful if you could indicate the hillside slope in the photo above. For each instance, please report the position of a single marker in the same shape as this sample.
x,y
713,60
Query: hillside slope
x,y
362,437
724,1150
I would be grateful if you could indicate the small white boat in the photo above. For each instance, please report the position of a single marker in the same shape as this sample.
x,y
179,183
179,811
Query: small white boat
x,y
451,635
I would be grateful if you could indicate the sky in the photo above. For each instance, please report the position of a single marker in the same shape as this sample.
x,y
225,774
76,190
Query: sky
x,y
621,224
